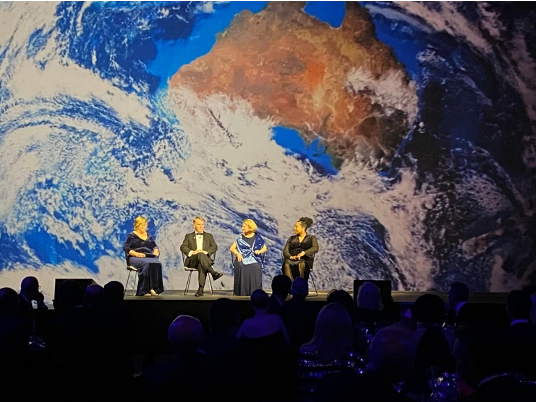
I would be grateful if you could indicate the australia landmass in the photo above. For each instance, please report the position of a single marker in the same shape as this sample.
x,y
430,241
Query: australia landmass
x,y
325,82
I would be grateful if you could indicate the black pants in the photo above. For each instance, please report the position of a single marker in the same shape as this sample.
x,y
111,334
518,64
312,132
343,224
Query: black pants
x,y
203,263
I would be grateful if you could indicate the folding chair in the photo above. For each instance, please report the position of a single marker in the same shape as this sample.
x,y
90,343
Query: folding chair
x,y
191,270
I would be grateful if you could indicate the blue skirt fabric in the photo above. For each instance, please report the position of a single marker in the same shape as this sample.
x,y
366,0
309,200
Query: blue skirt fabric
x,y
149,274
247,278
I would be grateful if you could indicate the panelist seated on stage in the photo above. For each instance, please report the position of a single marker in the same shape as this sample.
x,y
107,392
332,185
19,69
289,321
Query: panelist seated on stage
x,y
199,248
247,256
300,250
143,255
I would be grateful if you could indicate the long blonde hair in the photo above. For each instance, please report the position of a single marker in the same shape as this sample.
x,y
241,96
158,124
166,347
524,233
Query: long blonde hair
x,y
334,333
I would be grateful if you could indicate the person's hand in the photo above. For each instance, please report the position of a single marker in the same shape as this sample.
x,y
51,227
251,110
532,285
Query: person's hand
x,y
39,298
257,252
239,257
156,252
137,254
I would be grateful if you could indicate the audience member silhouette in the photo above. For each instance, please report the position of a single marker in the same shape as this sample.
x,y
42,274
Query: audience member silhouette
x,y
521,334
299,315
266,350
392,355
111,333
224,321
262,324
345,299
68,344
459,310
533,309
281,285
288,349
458,296
93,295
69,294
29,292
15,331
435,345
28,296
529,289
113,293
482,365
331,350
369,315
104,333
189,375
224,350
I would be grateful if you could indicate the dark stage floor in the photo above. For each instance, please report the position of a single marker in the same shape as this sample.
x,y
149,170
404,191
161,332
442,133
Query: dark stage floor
x,y
397,296
157,312
154,314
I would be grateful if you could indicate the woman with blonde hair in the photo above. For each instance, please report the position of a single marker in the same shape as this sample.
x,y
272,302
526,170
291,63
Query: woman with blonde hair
x,y
331,350
142,253
247,252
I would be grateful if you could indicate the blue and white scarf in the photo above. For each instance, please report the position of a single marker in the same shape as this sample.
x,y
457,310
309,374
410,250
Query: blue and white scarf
x,y
248,255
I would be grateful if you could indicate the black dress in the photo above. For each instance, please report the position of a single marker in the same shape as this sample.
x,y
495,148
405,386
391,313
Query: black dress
x,y
309,246
149,268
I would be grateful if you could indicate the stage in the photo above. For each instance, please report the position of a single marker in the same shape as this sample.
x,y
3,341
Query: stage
x,y
154,314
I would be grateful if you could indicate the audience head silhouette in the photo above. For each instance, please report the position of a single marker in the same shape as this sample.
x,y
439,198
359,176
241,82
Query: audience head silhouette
x,y
334,333
481,351
260,300
185,334
429,309
224,315
281,285
392,353
299,287
9,301
369,297
518,304
533,309
344,299
93,295
113,292
70,294
458,292
29,286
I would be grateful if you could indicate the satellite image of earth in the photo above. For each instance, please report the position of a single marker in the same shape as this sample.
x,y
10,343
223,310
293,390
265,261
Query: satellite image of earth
x,y
405,130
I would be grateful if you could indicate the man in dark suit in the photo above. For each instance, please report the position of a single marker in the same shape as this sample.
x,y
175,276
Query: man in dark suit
x,y
36,316
199,247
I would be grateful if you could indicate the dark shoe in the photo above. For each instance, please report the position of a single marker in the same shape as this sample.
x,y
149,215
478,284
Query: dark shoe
x,y
199,292
217,275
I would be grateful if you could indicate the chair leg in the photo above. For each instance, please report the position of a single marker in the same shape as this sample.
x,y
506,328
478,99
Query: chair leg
x,y
135,289
126,284
210,283
188,282
313,279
